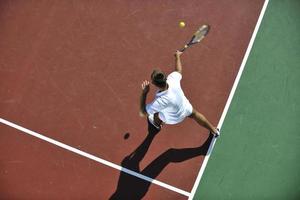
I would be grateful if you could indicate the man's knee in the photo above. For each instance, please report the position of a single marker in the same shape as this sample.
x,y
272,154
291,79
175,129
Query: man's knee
x,y
193,113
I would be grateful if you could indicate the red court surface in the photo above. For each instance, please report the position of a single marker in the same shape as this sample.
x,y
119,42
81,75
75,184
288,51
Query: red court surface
x,y
71,70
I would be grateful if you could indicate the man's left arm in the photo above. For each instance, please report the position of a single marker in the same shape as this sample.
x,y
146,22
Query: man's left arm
x,y
143,97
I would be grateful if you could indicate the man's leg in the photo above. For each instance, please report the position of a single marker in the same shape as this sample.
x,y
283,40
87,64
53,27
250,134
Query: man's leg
x,y
200,119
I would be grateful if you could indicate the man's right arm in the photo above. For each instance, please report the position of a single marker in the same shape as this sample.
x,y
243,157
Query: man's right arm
x,y
178,65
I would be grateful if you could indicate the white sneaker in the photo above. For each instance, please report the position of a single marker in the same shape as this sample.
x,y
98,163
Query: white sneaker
x,y
151,120
217,134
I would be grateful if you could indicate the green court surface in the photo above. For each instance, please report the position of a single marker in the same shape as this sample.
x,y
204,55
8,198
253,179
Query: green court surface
x,y
258,153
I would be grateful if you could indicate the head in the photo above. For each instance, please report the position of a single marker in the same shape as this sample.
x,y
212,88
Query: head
x,y
159,78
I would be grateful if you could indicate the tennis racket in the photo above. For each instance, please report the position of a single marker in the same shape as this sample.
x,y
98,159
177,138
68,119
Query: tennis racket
x,y
197,37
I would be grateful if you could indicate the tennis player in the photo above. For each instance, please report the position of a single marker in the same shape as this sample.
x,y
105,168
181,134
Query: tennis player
x,y
170,105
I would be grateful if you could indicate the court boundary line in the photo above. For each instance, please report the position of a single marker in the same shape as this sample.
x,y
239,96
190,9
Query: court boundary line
x,y
230,97
92,157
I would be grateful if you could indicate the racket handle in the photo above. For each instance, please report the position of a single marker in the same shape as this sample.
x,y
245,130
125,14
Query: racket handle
x,y
184,48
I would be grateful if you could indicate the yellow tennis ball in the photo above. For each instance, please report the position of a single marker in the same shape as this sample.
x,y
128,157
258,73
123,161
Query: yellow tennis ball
x,y
181,24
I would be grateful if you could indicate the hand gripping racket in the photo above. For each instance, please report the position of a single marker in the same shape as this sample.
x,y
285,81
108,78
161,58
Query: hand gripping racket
x,y
197,37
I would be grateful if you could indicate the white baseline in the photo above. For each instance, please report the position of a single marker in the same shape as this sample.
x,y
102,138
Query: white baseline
x,y
92,157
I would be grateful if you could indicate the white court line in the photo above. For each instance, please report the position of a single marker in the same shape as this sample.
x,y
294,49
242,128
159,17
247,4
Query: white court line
x,y
235,84
99,160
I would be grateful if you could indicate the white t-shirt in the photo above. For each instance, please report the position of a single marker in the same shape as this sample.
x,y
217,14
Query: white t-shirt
x,y
171,104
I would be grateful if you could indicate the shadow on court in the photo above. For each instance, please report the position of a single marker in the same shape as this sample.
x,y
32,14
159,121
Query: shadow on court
x,y
131,187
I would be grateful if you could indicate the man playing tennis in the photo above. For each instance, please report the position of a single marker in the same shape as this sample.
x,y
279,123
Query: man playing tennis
x,y
170,105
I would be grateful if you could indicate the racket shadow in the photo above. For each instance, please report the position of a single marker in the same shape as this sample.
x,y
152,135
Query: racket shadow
x,y
131,187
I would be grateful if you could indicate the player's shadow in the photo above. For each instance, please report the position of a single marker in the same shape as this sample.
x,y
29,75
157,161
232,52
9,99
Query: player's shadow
x,y
133,188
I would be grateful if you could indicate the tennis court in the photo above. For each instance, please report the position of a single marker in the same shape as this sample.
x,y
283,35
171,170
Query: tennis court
x,y
70,85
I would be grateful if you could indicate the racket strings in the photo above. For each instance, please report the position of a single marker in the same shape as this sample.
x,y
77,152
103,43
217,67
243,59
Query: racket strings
x,y
201,33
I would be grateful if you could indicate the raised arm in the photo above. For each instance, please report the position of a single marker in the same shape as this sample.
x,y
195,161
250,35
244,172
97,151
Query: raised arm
x,y
178,65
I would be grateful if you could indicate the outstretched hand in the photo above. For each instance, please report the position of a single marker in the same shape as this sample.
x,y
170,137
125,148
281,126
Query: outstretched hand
x,y
145,86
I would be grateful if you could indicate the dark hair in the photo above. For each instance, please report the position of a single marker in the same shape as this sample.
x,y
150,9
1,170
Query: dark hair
x,y
159,78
